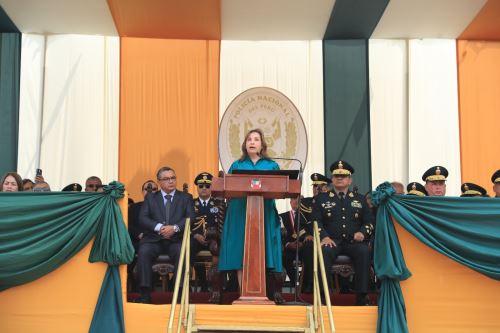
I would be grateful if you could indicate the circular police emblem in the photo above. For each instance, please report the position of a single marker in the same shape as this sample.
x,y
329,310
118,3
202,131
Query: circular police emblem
x,y
272,112
214,210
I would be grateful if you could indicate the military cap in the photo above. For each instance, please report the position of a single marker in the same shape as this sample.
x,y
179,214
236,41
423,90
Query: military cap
x,y
496,177
74,187
203,178
435,173
319,179
472,190
341,168
416,189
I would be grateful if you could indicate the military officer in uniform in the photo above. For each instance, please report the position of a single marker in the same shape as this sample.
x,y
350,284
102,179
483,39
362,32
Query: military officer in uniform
x,y
435,181
495,179
416,189
345,222
204,232
319,185
473,190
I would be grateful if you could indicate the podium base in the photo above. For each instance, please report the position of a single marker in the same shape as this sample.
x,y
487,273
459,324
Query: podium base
x,y
253,300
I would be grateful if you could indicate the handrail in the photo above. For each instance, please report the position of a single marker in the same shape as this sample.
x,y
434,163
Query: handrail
x,y
318,257
183,264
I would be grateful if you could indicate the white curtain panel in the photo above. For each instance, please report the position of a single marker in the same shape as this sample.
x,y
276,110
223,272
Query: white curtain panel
x,y
30,104
80,111
293,67
433,110
388,110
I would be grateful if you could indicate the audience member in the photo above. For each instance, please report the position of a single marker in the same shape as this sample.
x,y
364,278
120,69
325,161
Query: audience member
x,y
27,184
11,182
435,181
93,184
42,186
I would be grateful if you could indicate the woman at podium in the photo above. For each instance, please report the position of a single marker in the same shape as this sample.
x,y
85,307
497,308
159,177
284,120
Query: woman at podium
x,y
254,157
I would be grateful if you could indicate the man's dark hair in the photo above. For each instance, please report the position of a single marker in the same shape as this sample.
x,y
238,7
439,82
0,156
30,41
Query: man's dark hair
x,y
163,169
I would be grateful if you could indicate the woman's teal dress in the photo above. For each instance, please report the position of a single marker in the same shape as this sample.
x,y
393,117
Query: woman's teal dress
x,y
233,235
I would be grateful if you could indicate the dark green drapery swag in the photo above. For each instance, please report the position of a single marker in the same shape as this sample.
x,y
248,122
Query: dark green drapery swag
x,y
39,232
466,230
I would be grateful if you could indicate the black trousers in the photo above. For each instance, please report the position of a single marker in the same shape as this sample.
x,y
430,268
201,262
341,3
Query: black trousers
x,y
148,252
289,262
357,251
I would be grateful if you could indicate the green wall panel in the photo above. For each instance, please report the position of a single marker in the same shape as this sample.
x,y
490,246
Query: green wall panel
x,y
347,113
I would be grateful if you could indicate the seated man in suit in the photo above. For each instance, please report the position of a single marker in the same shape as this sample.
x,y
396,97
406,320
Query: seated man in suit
x,y
163,216
290,222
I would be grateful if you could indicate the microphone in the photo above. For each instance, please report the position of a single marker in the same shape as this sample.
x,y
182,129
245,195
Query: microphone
x,y
301,169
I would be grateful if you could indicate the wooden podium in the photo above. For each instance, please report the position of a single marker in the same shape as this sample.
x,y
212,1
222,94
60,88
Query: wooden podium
x,y
256,187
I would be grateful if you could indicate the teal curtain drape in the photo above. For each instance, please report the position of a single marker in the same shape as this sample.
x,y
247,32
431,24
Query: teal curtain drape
x,y
10,72
347,114
466,230
39,232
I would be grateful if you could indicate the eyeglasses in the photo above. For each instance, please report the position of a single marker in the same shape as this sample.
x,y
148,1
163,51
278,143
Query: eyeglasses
x,y
204,186
168,179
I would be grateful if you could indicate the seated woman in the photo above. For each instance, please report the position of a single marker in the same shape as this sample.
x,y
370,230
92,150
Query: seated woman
x,y
254,157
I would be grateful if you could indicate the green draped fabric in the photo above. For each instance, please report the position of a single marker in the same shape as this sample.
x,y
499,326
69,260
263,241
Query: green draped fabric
x,y
108,313
10,72
39,232
466,230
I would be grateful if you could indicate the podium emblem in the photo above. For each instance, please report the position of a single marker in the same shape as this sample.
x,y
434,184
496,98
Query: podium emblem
x,y
256,184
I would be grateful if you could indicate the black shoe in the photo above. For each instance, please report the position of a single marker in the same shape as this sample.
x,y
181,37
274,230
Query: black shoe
x,y
145,299
362,299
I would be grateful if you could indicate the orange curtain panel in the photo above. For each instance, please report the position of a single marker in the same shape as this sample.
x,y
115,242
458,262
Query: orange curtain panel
x,y
479,100
444,296
169,109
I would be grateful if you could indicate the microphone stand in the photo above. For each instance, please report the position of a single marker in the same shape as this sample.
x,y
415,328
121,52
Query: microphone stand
x,y
296,297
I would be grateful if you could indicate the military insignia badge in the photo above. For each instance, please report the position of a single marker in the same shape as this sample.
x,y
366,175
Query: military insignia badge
x,y
331,195
214,210
351,195
356,204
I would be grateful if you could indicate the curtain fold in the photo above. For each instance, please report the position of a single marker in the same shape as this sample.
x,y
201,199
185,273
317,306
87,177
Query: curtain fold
x,y
347,107
39,232
169,109
295,68
30,104
388,110
73,101
433,132
465,230
479,90
10,58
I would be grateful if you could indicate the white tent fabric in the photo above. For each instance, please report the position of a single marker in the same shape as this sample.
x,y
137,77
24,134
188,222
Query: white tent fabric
x,y
434,132
293,67
426,18
61,16
30,104
80,110
275,20
388,110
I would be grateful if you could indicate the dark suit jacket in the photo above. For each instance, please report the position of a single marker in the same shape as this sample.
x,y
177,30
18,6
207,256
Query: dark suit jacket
x,y
153,212
291,234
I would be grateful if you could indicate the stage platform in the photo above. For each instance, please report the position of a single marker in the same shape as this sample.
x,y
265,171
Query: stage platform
x,y
256,318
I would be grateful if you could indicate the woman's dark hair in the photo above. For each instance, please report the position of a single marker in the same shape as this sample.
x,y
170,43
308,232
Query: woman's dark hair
x,y
18,179
263,152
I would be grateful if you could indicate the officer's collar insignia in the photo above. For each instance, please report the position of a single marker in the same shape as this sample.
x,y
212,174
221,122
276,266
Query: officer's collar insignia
x,y
331,195
351,195
197,203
